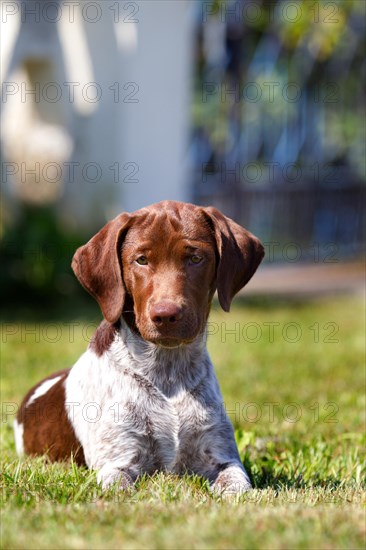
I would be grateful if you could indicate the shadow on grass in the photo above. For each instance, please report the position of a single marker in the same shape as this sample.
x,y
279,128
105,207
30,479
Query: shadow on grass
x,y
316,464
267,476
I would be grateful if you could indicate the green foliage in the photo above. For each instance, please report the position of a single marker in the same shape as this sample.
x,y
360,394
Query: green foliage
x,y
36,254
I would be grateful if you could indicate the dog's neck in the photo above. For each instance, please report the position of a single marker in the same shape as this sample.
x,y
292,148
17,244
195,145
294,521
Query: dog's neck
x,y
170,369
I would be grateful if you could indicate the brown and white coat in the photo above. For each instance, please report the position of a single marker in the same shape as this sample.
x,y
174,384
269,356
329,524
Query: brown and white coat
x,y
144,396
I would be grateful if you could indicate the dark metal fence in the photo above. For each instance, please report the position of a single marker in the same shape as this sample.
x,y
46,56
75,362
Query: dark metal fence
x,y
308,223
278,119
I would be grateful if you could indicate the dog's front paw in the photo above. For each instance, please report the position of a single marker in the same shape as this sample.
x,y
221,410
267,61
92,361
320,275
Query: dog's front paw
x,y
109,475
232,481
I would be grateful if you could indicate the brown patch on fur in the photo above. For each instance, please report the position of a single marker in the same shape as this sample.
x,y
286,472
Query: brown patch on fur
x,y
103,337
47,429
97,266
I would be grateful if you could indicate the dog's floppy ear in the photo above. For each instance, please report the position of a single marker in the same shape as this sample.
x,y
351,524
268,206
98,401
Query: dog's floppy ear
x,y
240,253
97,265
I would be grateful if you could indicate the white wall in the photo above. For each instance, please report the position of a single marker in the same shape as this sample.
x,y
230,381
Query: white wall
x,y
139,54
155,56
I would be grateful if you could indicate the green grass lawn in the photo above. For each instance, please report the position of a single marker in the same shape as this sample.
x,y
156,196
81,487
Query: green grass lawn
x,y
293,381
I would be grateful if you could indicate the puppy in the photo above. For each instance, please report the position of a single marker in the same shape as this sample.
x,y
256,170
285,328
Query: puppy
x,y
144,396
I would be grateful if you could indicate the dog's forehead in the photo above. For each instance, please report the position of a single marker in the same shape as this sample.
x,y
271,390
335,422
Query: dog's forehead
x,y
165,220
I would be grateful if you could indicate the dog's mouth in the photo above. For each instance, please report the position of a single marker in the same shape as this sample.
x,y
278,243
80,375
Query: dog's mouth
x,y
174,342
169,338
169,343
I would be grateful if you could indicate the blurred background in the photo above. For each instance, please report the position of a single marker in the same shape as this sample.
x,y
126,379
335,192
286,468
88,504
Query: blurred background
x,y
254,106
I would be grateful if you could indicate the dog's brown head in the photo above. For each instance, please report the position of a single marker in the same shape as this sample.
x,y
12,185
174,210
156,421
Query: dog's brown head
x,y
160,266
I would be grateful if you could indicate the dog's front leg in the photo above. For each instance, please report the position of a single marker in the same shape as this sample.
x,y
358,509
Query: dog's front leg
x,y
110,474
232,479
226,472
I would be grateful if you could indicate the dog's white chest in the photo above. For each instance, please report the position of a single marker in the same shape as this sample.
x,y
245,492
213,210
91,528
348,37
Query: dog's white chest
x,y
120,414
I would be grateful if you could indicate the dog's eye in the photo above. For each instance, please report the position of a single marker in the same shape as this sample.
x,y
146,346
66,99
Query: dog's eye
x,y
195,259
142,260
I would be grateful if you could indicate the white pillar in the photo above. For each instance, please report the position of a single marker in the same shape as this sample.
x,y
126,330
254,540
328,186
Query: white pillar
x,y
156,54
